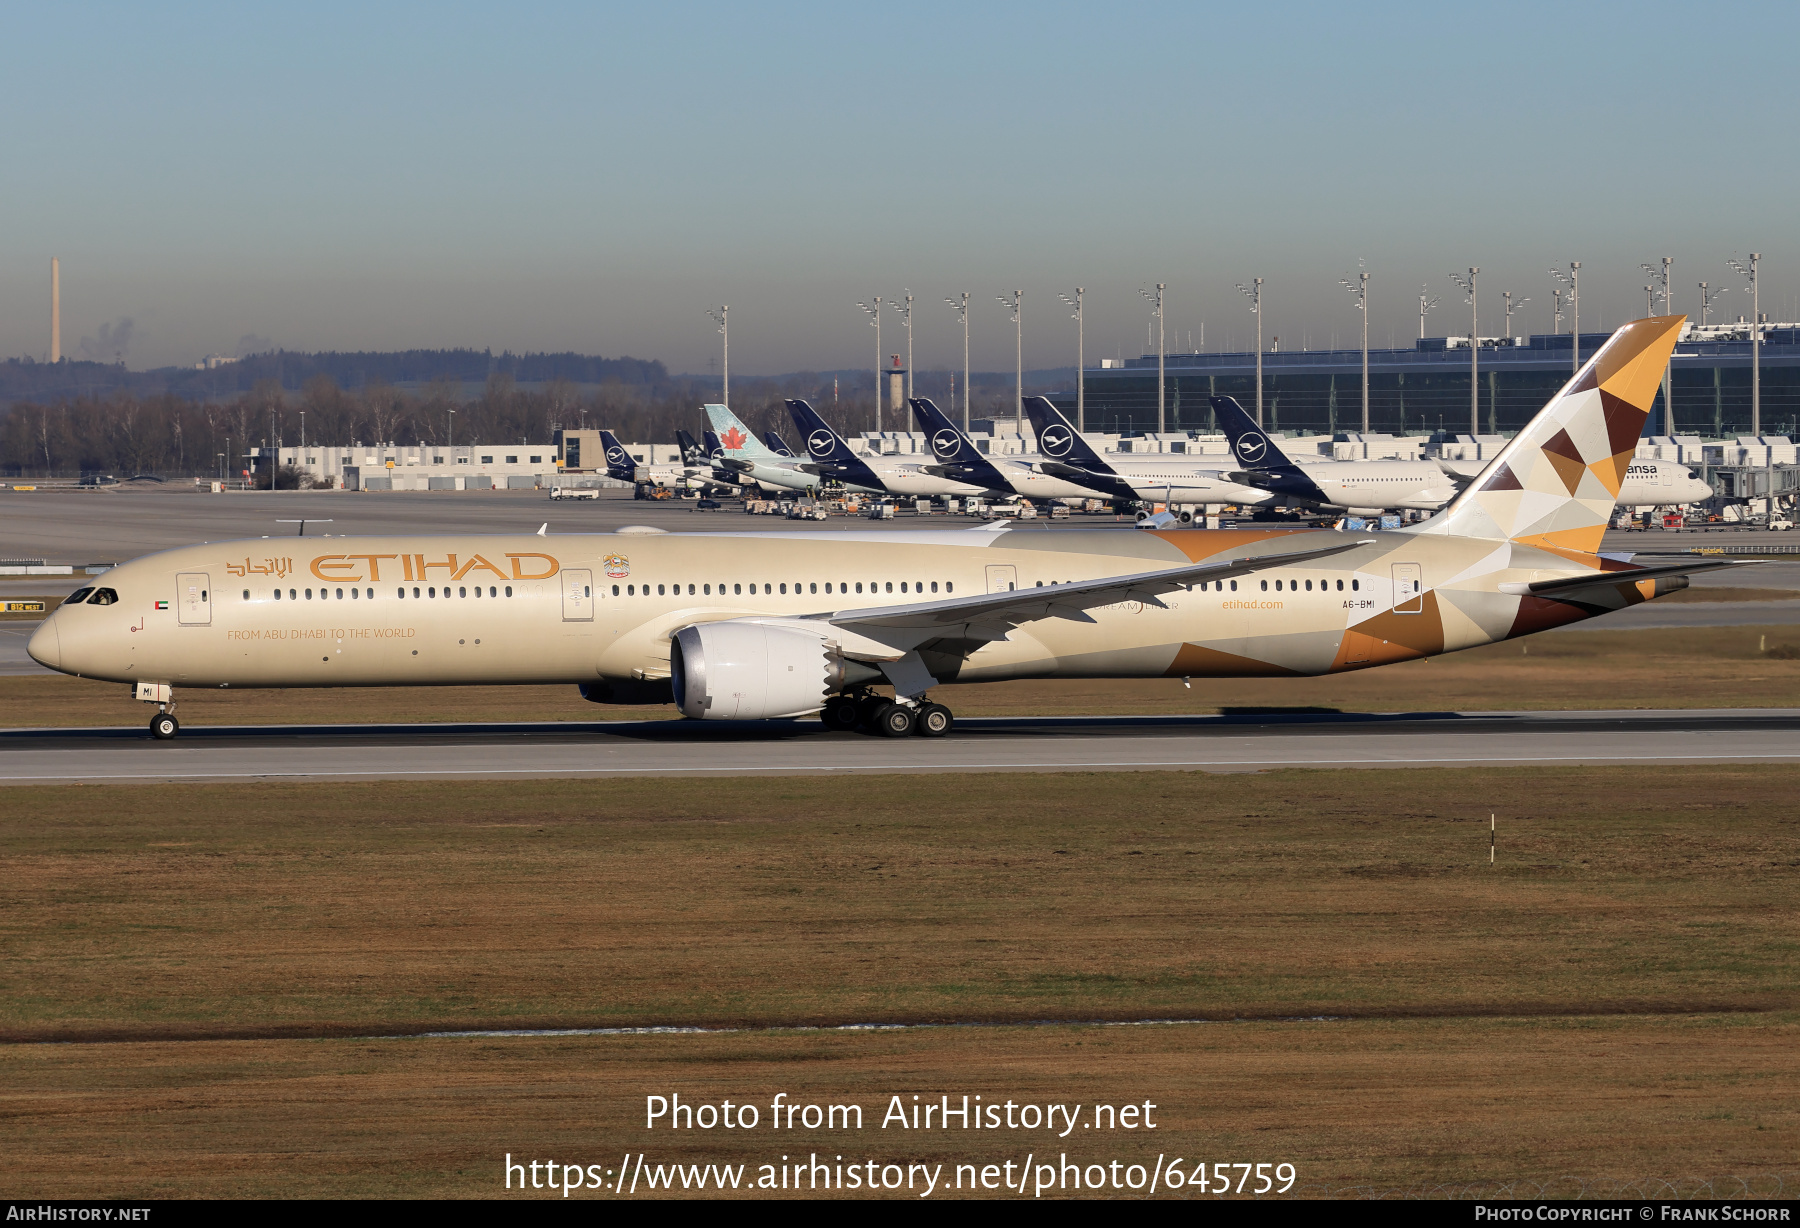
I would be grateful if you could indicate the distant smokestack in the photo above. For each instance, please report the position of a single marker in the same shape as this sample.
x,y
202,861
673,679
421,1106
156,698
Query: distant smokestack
x,y
55,310
897,388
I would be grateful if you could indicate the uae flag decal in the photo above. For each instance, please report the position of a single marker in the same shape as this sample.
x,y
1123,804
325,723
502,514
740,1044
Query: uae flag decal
x,y
162,605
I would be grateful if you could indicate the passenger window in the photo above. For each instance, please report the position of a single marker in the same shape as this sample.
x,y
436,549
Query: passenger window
x,y
859,586
340,594
828,586
615,590
415,592
949,587
659,591
903,586
290,594
1309,586
934,586
246,594
690,590
707,589
631,590
784,590
768,590
309,594
1234,586
354,594
737,589
815,587
431,592
97,600
1340,587
890,586
1265,586
1355,585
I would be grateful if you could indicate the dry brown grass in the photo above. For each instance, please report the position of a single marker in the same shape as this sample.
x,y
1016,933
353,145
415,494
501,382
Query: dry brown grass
x,y
1616,998
1384,1104
1689,667
231,910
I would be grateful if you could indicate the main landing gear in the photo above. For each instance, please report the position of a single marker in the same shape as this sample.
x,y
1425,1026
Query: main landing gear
x,y
888,717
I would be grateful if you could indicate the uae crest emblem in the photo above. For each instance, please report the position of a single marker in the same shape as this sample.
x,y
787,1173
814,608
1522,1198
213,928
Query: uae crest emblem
x,y
617,566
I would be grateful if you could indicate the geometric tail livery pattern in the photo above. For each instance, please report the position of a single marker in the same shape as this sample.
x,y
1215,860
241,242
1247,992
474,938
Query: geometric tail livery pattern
x,y
1556,483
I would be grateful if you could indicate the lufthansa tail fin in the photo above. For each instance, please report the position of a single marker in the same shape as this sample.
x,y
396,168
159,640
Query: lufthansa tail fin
x,y
1555,483
778,445
1060,441
619,465
1250,445
828,452
957,456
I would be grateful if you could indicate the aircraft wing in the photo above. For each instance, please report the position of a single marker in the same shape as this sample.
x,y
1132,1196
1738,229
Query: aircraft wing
x,y
989,616
1099,483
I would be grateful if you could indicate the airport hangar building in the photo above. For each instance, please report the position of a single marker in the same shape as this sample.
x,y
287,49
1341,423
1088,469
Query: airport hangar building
x,y
1425,389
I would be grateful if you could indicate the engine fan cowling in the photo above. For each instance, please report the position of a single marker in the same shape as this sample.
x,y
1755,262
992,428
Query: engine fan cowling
x,y
742,671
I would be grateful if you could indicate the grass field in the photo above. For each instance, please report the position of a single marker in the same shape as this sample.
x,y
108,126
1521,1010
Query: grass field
x,y
1617,996
1688,667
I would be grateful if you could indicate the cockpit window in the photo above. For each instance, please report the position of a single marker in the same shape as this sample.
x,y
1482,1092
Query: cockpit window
x,y
103,596
77,597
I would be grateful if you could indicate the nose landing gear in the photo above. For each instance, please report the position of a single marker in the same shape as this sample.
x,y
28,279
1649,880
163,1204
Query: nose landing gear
x,y
164,726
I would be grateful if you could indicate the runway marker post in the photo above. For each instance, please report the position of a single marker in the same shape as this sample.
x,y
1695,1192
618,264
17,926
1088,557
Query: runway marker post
x,y
1493,828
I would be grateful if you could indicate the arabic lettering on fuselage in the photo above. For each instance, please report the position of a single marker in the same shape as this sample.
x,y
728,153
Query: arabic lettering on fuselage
x,y
268,567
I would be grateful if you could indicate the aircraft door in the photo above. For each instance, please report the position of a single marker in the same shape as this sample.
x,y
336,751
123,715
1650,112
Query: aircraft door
x,y
1409,590
1002,579
193,598
578,596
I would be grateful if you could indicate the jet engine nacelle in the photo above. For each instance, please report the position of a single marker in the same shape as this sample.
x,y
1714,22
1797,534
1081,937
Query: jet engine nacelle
x,y
744,671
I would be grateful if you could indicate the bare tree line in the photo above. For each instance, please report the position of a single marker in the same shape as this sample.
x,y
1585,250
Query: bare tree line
x,y
171,436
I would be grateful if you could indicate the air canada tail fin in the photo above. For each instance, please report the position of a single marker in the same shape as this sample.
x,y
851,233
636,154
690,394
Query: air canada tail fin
x,y
619,465
734,437
1555,484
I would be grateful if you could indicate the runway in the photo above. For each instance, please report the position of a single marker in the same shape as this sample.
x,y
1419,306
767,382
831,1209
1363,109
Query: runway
x,y
1035,744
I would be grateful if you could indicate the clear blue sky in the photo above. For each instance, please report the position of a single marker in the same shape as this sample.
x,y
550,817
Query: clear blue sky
x,y
381,176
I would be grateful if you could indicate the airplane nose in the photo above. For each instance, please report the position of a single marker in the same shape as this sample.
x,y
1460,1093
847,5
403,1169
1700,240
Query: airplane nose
x,y
45,646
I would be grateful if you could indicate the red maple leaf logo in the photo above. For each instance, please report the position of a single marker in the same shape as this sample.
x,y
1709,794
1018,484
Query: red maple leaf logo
x,y
733,439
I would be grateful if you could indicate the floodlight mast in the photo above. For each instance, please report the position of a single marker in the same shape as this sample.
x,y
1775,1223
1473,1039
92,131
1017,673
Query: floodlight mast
x,y
905,310
962,312
873,309
1018,353
1707,295
1512,306
1749,273
1156,312
1080,367
1361,291
722,318
1426,303
1468,287
1572,281
1254,293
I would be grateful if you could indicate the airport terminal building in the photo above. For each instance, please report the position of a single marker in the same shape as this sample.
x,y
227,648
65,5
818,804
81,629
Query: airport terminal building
x,y
1425,389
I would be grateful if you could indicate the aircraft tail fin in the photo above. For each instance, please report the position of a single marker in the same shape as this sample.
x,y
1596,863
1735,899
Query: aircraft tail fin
x,y
734,437
1555,483
1059,440
778,445
1250,444
619,465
